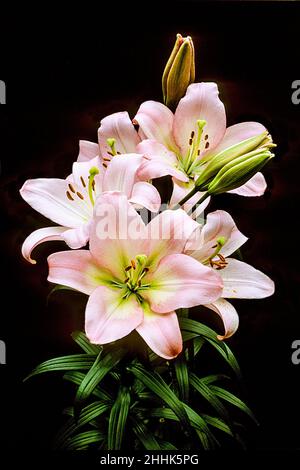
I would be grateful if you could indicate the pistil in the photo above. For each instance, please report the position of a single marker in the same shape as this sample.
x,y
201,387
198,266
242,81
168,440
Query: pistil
x,y
93,172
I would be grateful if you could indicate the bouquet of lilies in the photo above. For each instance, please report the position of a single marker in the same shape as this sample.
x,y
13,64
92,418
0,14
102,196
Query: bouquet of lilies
x,y
143,263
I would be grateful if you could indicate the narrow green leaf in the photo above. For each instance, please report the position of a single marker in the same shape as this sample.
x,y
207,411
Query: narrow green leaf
x,y
165,445
84,439
202,330
87,414
208,395
144,435
77,378
73,362
182,376
187,335
213,378
228,355
101,366
117,419
156,384
198,343
231,398
217,423
80,338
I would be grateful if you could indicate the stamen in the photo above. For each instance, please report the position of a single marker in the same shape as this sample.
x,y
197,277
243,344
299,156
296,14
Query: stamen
x,y
93,172
126,280
82,182
71,188
110,153
133,264
207,145
80,195
128,268
206,137
192,134
111,143
69,196
105,165
106,159
190,141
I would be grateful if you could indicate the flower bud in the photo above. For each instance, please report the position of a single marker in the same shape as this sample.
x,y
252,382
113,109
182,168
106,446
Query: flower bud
x,y
238,172
179,72
242,151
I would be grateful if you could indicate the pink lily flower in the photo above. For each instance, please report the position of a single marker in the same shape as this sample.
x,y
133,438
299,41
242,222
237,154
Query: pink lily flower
x,y
211,244
175,144
138,279
69,202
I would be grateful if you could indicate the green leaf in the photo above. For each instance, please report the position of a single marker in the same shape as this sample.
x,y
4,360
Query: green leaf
x,y
73,362
77,378
231,398
144,435
156,384
198,343
101,366
202,330
213,378
217,423
208,395
188,335
87,414
182,376
84,439
80,338
228,355
117,419
196,421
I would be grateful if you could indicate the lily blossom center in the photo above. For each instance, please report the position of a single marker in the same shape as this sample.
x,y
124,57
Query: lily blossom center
x,y
191,160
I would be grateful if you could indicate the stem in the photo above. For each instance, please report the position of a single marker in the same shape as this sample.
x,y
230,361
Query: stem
x,y
188,196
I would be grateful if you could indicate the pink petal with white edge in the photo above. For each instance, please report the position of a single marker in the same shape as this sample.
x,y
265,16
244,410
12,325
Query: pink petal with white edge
x,y
256,186
75,269
242,281
77,237
236,134
228,314
159,161
161,333
49,197
167,233
180,281
117,233
218,224
117,126
145,195
109,317
200,102
121,173
156,122
87,151
40,236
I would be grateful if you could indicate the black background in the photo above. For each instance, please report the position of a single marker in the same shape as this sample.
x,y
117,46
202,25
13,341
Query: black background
x,y
64,72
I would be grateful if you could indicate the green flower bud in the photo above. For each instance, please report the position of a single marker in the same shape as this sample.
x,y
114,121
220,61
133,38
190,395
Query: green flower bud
x,y
238,172
245,150
179,72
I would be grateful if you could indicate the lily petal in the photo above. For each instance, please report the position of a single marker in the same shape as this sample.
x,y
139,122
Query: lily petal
x,y
40,236
156,122
161,333
146,195
121,173
236,134
159,161
117,233
218,224
117,126
180,281
110,317
228,314
49,196
256,186
242,281
168,233
200,102
75,269
87,151
77,237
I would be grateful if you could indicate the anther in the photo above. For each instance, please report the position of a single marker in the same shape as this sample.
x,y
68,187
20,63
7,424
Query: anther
x,y
106,159
128,268
133,264
192,134
80,195
71,188
110,153
207,145
82,182
190,141
105,165
206,137
69,196
126,280
198,152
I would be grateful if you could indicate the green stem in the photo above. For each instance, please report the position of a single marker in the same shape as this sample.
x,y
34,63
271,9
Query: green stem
x,y
188,196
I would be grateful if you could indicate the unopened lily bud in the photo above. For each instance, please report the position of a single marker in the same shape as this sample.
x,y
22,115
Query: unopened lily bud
x,y
179,72
238,172
245,150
